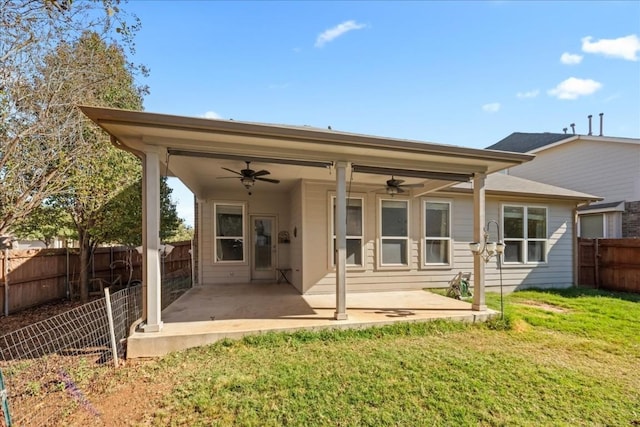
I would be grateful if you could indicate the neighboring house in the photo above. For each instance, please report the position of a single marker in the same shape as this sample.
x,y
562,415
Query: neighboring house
x,y
325,209
605,166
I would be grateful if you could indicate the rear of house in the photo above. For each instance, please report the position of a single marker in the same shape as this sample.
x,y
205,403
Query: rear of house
x,y
397,242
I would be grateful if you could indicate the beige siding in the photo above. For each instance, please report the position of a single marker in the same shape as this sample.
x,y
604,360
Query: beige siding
x,y
319,275
296,252
276,204
606,169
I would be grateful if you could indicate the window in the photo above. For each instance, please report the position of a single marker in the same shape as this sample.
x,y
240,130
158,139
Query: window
x,y
592,226
437,233
394,232
525,234
229,232
354,231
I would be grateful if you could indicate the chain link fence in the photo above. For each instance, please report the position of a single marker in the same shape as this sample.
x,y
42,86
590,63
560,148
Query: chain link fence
x,y
48,364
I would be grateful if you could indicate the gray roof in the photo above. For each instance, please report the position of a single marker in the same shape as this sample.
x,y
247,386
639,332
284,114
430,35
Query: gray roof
x,y
521,142
604,206
500,183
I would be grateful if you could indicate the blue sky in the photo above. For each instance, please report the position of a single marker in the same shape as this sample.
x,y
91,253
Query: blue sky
x,y
462,73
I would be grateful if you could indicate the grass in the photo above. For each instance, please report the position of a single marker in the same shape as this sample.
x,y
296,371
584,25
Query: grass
x,y
566,357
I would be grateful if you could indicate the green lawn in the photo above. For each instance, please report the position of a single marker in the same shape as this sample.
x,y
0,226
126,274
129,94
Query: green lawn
x,y
565,358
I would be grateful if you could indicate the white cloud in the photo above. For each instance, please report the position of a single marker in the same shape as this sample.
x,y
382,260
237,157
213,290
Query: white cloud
x,y
570,58
332,33
530,94
573,88
211,115
493,107
622,47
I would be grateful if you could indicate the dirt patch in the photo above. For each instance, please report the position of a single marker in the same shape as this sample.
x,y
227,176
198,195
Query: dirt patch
x,y
33,315
545,306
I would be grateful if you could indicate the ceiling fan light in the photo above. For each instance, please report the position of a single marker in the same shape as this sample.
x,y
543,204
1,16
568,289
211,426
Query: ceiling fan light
x,y
247,182
392,190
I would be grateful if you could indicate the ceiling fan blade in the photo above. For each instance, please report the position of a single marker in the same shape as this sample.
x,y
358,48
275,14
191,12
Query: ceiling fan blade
x,y
412,185
261,173
232,171
273,181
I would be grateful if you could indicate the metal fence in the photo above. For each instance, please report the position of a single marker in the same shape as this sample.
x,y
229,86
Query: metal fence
x,y
47,364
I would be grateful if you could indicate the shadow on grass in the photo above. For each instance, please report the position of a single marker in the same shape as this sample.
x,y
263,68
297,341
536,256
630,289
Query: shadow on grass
x,y
580,292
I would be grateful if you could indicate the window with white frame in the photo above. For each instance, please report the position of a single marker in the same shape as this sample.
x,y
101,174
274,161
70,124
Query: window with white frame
x,y
437,232
525,234
592,226
229,231
394,232
355,229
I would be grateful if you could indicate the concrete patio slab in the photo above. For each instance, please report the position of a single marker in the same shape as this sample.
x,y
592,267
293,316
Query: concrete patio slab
x,y
209,313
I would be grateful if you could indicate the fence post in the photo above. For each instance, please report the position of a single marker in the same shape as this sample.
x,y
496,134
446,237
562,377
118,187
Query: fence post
x,y
5,401
112,333
5,267
596,263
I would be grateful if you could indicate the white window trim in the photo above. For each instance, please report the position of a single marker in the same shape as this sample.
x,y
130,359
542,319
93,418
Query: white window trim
x,y
380,237
244,260
332,232
424,238
523,241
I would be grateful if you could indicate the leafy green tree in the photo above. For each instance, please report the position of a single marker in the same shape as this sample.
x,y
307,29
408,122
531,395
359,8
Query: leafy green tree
x,y
98,75
182,233
45,223
41,131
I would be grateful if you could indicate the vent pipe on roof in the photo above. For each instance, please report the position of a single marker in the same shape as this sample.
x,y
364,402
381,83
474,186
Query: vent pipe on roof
x,y
590,116
601,114
564,130
573,128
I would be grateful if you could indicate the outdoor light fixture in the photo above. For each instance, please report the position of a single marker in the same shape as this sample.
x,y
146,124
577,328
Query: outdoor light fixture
x,y
247,182
486,250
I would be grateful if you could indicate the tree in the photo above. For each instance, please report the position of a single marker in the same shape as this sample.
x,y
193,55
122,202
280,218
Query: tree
x,y
41,131
45,223
98,75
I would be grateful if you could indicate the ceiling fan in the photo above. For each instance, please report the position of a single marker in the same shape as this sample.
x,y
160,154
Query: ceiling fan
x,y
396,186
248,176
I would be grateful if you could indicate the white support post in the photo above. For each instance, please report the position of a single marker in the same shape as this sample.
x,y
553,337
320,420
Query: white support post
x,y
478,236
341,241
151,278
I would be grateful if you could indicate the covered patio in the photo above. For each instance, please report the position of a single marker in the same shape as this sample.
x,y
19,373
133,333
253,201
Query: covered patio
x,y
206,314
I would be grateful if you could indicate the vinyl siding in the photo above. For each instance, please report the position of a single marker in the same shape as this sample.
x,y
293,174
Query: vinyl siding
x,y
319,275
306,208
276,204
606,169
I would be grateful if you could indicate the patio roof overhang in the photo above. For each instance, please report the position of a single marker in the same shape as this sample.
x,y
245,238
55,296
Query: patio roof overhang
x,y
196,149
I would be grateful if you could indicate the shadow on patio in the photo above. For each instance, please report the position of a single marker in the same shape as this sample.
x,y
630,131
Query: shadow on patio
x,y
208,313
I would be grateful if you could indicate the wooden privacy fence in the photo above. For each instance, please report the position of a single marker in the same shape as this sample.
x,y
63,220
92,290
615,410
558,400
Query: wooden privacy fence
x,y
612,264
33,277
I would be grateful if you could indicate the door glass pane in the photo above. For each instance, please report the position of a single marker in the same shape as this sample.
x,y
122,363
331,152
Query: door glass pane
x,y
537,223
592,226
394,218
263,242
394,251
